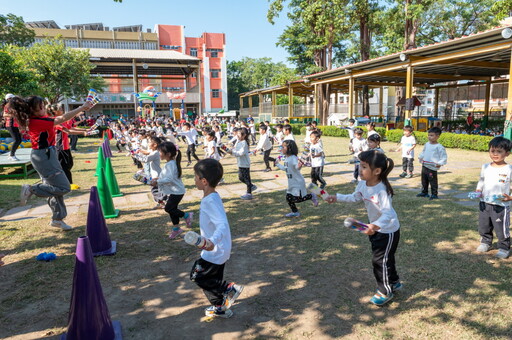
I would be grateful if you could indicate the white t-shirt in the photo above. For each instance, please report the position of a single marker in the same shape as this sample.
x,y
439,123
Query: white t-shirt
x,y
153,161
378,205
211,150
214,225
241,152
432,155
359,145
279,137
190,135
407,143
289,137
264,143
296,182
169,183
494,181
316,149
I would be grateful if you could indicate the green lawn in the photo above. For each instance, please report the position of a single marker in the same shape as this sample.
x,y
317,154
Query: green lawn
x,y
306,278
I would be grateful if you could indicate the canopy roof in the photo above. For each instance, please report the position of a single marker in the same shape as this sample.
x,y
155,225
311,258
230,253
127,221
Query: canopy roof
x,y
477,57
153,62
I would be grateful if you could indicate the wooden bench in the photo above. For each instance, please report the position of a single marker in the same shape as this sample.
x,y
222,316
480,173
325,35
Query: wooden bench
x,y
24,163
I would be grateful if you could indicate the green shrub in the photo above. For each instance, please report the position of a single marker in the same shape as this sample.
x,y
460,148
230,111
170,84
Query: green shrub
x,y
334,131
448,140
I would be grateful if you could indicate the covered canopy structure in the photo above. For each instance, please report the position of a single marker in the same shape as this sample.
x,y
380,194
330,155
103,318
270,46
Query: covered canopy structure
x,y
478,58
144,65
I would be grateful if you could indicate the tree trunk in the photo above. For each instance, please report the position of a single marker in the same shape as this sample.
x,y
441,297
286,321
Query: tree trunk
x,y
365,43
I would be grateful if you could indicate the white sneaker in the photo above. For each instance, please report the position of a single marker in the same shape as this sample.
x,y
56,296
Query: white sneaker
x,y
13,158
60,224
502,254
483,248
246,197
25,194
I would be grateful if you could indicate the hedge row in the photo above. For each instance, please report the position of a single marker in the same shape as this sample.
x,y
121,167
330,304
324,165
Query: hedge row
x,y
448,140
333,131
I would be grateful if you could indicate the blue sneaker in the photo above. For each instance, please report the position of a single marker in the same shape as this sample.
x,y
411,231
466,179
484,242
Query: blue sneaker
x,y
293,214
380,299
231,294
397,286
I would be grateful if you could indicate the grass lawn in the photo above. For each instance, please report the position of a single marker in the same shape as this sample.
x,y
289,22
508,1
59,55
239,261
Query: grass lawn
x,y
305,278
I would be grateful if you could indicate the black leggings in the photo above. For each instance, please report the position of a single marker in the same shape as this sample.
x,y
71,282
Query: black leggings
x,y
267,158
118,144
66,162
316,175
171,207
296,199
191,150
15,134
244,175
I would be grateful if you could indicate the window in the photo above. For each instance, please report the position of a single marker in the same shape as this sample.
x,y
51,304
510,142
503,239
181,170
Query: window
x,y
215,93
214,73
193,52
194,75
214,52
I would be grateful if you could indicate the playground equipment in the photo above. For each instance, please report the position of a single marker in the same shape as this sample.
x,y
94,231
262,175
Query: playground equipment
x,y
149,93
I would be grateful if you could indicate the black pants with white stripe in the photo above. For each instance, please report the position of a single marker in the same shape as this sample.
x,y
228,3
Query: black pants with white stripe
x,y
497,218
316,176
383,250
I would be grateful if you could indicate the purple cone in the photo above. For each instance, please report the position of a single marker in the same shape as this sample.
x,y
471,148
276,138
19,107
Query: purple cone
x,y
107,152
97,229
89,318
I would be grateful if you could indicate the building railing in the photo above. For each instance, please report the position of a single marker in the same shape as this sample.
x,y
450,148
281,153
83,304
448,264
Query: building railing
x,y
128,97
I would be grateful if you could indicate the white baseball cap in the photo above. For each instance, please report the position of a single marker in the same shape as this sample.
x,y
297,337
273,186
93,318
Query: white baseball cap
x,y
9,96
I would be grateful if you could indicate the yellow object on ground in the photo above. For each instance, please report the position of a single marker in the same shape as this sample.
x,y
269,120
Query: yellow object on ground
x,y
74,187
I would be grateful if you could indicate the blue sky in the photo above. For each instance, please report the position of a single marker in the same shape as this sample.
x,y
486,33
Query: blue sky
x,y
248,33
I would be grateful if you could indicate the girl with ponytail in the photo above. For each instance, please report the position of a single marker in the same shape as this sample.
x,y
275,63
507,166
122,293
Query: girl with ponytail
x,y
383,230
31,115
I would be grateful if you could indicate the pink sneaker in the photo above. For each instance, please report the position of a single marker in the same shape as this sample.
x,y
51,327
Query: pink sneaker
x,y
188,220
175,233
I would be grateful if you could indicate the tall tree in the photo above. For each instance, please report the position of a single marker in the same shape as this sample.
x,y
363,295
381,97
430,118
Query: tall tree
x,y
316,32
253,73
60,71
14,32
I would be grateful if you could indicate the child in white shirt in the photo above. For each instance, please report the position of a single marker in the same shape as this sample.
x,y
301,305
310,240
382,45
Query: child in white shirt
x,y
317,156
375,191
407,145
296,191
432,158
172,186
359,144
494,186
208,270
287,131
241,152
265,146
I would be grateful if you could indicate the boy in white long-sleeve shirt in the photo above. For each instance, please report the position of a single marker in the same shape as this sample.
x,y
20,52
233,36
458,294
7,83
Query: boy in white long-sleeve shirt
x,y
265,145
494,186
208,270
432,158
190,135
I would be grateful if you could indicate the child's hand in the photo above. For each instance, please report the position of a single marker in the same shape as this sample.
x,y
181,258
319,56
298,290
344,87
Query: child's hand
x,y
506,198
210,248
331,199
372,229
